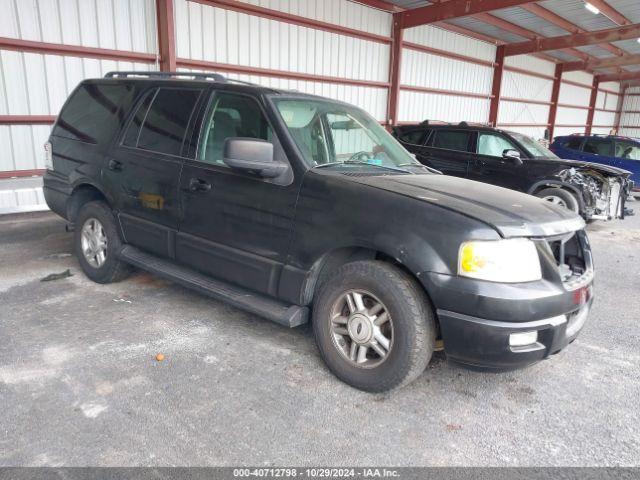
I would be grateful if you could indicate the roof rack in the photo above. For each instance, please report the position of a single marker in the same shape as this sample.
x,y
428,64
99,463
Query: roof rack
x,y
473,124
216,77
434,122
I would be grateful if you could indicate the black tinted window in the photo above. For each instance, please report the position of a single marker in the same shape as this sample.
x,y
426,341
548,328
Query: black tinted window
x,y
415,138
452,140
162,125
573,143
91,113
598,146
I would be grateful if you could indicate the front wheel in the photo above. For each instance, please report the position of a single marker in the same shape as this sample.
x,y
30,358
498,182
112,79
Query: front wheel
x,y
560,197
374,326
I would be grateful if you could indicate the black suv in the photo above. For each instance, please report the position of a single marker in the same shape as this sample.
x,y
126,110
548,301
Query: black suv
x,y
294,207
513,160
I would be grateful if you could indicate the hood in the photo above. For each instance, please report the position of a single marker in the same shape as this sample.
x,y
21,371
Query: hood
x,y
511,213
598,167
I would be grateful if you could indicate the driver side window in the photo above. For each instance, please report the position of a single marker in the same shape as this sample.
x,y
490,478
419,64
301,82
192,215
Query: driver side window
x,y
493,145
231,116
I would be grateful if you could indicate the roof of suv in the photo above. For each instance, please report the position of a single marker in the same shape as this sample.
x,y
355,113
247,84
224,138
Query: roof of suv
x,y
458,126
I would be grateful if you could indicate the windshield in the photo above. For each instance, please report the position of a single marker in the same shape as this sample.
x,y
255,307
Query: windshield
x,y
535,148
329,133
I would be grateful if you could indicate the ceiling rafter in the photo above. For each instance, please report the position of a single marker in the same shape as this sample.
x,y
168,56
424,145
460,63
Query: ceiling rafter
x,y
576,40
619,77
454,9
631,59
610,12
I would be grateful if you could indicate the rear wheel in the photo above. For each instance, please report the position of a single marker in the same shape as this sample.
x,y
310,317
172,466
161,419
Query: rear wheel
x,y
560,197
374,326
97,244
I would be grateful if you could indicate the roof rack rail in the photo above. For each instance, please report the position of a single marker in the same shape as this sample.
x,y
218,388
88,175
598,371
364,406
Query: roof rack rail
x,y
472,124
434,122
216,77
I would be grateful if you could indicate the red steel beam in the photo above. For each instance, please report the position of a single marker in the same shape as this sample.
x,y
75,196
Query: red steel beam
x,y
575,40
29,46
265,72
21,173
602,63
610,12
619,77
496,87
27,119
555,95
393,102
285,17
381,5
166,35
592,106
522,32
454,9
563,23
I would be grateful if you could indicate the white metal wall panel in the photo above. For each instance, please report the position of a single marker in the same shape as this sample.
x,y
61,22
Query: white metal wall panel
x,y
434,71
606,119
529,113
339,12
533,64
418,106
614,86
629,121
561,131
533,132
21,146
372,100
607,101
112,24
574,95
442,39
527,87
580,77
601,130
35,84
224,36
571,116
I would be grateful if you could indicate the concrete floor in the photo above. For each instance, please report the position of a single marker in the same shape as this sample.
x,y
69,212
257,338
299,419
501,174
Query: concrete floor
x,y
79,384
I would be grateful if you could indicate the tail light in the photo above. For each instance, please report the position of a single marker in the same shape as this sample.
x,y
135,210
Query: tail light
x,y
48,156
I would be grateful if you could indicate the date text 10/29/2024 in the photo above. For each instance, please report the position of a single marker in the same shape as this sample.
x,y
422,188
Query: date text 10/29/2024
x,y
315,472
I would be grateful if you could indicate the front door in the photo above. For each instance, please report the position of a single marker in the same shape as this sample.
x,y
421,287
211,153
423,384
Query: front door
x,y
235,226
489,165
143,169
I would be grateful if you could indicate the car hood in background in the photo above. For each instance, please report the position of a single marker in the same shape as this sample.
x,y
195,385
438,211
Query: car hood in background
x,y
511,213
598,167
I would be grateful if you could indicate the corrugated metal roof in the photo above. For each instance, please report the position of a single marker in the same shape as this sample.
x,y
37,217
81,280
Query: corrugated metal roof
x,y
530,21
486,29
628,8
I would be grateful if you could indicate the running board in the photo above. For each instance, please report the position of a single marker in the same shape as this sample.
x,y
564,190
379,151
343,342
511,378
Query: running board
x,y
287,315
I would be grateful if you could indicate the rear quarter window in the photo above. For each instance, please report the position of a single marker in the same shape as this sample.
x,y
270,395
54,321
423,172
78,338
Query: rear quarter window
x,y
93,112
572,143
415,137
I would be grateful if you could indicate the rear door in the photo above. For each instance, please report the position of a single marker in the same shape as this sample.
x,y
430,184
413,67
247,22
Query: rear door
x,y
235,225
144,167
489,166
448,150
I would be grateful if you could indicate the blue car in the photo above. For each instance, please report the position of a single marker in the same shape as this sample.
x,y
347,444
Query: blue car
x,y
621,152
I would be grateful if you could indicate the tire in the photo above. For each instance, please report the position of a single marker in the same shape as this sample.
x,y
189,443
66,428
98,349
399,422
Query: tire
x,y
98,215
560,197
411,330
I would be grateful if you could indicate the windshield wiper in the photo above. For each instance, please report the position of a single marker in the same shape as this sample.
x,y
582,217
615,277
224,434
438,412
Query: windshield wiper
x,y
356,162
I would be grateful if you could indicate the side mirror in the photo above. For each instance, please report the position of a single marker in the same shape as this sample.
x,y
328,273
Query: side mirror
x,y
513,155
252,155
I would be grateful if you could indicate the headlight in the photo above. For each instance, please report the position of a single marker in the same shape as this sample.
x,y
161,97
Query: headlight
x,y
507,261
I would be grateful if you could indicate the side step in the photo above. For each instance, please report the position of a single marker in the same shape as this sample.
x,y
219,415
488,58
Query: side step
x,y
287,315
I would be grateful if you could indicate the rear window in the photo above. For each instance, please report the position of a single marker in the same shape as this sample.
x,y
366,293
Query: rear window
x,y
91,114
161,122
452,140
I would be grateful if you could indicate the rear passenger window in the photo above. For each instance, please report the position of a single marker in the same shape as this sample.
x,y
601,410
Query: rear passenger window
x,y
415,138
598,146
573,143
452,140
627,151
91,114
161,121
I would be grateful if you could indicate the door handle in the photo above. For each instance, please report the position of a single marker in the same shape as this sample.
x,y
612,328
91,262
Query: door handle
x,y
115,165
199,185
